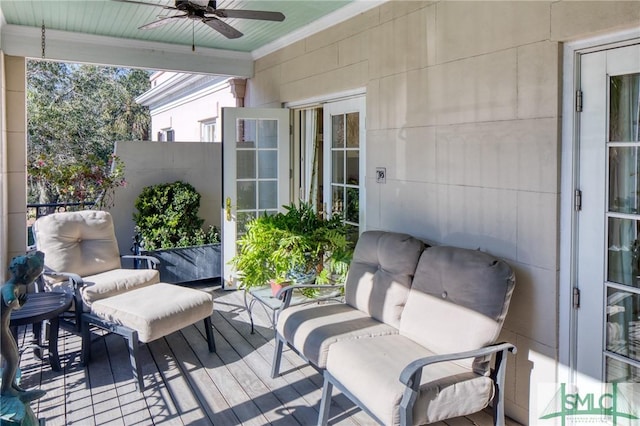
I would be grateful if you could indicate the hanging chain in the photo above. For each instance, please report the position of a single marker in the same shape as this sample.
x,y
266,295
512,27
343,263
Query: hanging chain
x,y
43,40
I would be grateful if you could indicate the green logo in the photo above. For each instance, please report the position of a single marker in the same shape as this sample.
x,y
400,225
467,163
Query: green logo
x,y
610,406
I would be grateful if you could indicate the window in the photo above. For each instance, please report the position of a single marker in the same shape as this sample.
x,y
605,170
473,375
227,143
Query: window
x,y
208,130
166,135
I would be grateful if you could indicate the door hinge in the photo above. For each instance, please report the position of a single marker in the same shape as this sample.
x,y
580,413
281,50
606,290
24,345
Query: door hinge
x,y
578,100
577,200
576,298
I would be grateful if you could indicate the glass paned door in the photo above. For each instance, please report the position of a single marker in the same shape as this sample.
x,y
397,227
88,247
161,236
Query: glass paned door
x,y
256,166
607,224
344,160
622,305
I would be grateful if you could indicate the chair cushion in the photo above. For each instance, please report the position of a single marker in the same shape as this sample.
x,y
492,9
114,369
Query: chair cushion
x,y
117,281
380,274
370,368
157,310
312,329
465,292
80,242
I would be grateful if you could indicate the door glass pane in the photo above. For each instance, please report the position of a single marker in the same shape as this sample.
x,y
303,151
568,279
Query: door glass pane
x,y
242,219
618,371
624,180
267,164
246,133
337,200
353,167
267,195
246,195
352,211
624,108
623,324
337,130
246,164
353,130
337,167
267,134
624,251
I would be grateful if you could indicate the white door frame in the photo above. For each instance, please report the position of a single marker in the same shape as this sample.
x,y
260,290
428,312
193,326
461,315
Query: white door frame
x,y
569,175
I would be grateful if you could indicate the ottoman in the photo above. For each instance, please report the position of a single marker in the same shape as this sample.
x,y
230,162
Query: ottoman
x,y
146,314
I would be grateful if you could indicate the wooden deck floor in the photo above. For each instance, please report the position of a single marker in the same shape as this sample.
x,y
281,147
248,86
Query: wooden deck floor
x,y
187,385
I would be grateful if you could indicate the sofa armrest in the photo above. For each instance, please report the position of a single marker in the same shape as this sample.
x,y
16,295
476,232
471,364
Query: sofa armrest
x,y
285,293
411,374
151,261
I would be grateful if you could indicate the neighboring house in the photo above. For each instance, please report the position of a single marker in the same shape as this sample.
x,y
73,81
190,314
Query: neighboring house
x,y
187,107
502,126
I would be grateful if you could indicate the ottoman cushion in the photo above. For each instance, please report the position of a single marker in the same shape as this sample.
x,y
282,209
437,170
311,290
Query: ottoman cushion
x,y
157,310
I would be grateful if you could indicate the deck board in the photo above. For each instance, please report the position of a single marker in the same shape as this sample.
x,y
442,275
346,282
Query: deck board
x,y
188,385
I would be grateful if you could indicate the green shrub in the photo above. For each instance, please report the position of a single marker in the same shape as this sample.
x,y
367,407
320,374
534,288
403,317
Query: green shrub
x,y
167,217
295,243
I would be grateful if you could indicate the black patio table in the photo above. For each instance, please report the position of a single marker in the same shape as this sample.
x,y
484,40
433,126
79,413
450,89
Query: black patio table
x,y
40,307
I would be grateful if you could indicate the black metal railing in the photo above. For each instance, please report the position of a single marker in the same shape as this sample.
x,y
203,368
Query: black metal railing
x,y
37,210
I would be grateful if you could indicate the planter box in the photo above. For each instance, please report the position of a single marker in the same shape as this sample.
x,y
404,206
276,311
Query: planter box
x,y
184,264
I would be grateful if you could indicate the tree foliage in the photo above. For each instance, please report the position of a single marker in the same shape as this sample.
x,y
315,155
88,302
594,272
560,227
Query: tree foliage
x,y
75,114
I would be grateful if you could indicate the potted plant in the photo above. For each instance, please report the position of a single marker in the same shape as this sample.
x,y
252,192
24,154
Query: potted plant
x,y
169,228
297,245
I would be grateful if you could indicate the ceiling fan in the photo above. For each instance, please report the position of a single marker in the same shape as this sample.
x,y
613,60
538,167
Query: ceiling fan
x,y
206,11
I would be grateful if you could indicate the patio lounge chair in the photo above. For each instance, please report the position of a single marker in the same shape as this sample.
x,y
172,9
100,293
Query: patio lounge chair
x,y
82,257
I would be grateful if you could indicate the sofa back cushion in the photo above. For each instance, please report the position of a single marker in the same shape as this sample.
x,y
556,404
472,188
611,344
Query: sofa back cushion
x,y
83,242
380,274
458,300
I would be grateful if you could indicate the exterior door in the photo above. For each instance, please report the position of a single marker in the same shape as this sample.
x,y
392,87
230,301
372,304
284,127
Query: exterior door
x,y
256,169
608,233
344,161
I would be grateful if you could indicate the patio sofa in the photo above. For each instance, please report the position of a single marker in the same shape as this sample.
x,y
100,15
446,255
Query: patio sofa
x,y
414,340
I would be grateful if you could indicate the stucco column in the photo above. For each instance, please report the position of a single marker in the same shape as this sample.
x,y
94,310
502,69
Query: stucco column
x,y
13,203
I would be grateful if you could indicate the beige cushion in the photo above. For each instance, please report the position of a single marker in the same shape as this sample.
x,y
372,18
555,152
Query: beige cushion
x,y
80,242
117,281
84,243
370,368
312,329
157,310
380,274
458,301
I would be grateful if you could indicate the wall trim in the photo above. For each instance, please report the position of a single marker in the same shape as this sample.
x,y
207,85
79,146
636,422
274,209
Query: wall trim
x,y
332,97
87,48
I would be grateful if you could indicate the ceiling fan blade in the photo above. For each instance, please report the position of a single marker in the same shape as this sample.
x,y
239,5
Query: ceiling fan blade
x,y
160,22
145,4
223,28
249,14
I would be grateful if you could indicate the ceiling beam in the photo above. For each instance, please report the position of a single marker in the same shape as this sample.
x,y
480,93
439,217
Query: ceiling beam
x,y
86,48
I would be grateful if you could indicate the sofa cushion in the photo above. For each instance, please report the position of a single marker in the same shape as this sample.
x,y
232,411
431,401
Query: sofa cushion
x,y
380,274
80,242
370,368
312,329
147,310
464,292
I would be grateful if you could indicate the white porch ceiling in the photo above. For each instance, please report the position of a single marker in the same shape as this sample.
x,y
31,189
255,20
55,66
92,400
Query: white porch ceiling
x,y
106,31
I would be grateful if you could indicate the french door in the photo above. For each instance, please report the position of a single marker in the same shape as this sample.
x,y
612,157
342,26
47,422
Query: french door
x,y
608,234
344,161
256,172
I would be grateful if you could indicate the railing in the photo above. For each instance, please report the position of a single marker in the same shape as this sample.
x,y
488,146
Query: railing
x,y
35,211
